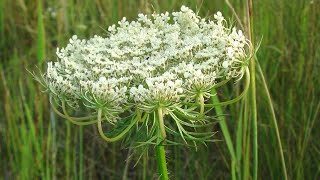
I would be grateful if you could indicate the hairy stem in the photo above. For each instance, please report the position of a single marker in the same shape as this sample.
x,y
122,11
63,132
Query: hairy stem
x,y
160,151
161,160
161,123
201,102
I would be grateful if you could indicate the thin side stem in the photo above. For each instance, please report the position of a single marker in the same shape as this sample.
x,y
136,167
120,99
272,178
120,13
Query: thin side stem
x,y
246,141
235,13
220,83
75,118
145,164
239,140
71,119
160,151
54,143
68,150
274,120
126,167
81,157
119,136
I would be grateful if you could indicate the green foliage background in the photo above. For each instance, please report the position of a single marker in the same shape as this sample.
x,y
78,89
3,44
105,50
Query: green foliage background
x,y
35,143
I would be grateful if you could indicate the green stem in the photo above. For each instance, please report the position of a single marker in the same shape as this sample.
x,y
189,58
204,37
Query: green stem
x,y
226,134
239,140
145,164
81,153
119,136
82,123
161,123
41,45
274,120
126,167
72,119
246,141
53,121
63,104
201,102
252,92
160,151
68,150
220,83
161,160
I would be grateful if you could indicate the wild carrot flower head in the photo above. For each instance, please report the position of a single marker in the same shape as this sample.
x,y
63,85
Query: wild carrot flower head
x,y
158,65
158,58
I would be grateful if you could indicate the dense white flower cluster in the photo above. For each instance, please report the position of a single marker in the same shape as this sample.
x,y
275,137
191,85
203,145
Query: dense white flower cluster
x,y
159,58
166,88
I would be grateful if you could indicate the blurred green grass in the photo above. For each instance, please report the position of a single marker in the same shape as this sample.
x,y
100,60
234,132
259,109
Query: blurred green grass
x,y
35,143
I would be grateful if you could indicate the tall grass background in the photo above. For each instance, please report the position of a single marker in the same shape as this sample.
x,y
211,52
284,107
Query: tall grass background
x,y
35,143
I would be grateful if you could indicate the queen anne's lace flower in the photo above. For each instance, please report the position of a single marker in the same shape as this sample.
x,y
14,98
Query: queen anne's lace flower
x,y
155,59
161,90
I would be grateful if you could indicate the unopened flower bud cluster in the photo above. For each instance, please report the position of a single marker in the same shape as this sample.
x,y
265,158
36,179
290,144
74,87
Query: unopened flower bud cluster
x,y
158,58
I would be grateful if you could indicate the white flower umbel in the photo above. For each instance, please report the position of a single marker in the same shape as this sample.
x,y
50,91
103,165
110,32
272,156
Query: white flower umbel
x,y
198,78
161,57
164,90
158,65
143,71
105,92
